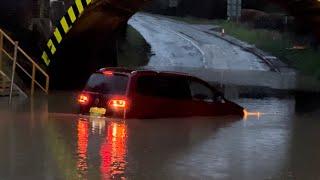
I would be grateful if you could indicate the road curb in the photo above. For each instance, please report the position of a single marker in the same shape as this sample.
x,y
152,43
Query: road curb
x,y
275,64
246,47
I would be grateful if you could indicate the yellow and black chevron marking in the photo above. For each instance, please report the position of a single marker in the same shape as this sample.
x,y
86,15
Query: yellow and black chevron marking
x,y
63,28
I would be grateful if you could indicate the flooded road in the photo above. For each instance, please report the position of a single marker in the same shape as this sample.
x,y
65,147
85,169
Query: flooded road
x,y
50,142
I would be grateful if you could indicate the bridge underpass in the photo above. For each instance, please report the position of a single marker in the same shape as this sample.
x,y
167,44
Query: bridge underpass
x,y
91,42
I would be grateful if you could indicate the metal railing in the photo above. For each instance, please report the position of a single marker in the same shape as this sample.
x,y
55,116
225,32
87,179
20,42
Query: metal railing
x,y
14,58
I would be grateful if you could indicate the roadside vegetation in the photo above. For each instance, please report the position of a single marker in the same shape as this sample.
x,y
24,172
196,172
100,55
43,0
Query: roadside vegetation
x,y
278,44
304,58
133,50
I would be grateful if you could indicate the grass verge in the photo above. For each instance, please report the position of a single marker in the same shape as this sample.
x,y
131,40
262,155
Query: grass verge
x,y
274,42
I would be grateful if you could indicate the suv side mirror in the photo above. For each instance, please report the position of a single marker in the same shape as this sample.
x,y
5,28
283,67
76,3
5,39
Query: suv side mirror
x,y
219,94
219,97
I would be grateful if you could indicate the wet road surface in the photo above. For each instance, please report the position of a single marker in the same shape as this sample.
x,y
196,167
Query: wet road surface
x,y
179,44
49,141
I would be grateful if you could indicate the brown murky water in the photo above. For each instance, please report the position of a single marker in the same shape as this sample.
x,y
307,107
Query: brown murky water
x,y
51,143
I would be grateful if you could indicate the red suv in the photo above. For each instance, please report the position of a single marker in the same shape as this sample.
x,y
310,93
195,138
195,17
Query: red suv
x,y
119,92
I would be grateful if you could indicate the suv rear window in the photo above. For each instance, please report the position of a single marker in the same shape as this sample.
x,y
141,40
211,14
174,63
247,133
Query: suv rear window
x,y
164,86
113,84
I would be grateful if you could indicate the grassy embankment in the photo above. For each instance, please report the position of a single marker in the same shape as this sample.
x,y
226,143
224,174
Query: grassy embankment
x,y
278,44
133,50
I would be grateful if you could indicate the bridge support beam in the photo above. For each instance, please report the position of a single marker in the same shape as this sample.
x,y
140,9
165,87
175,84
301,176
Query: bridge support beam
x,y
40,21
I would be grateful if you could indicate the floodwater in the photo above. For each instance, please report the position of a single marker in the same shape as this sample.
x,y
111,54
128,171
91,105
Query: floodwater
x,y
44,140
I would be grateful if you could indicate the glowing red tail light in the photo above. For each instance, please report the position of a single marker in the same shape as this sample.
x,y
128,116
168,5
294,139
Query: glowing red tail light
x,y
83,99
108,73
118,103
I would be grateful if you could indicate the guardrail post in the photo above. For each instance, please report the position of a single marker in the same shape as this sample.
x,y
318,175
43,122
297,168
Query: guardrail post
x,y
1,47
13,69
33,79
47,84
1,58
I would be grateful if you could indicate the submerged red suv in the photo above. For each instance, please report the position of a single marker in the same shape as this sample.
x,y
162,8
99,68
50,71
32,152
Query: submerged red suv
x,y
125,93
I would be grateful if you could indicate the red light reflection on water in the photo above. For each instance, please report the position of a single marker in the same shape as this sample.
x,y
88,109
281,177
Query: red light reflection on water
x,y
248,114
113,151
82,149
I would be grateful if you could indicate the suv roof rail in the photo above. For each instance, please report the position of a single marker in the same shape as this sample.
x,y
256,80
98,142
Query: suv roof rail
x,y
137,70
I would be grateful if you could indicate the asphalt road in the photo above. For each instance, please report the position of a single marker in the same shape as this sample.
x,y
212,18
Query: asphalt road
x,y
179,44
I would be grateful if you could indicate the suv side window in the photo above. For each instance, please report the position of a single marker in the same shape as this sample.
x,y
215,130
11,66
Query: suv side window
x,y
164,86
200,91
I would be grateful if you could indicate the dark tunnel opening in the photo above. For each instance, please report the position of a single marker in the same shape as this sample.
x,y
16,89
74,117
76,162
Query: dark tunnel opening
x,y
80,56
92,43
